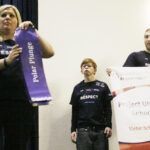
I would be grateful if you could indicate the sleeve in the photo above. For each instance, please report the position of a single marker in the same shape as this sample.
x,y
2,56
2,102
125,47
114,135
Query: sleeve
x,y
74,116
107,107
131,60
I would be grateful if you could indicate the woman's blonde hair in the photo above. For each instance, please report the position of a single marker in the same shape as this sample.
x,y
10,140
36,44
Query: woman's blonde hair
x,y
15,9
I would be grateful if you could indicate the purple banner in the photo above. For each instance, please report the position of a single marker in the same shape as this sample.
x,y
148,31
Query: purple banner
x,y
32,66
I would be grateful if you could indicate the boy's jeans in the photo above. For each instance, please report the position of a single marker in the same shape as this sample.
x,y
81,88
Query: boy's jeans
x,y
88,139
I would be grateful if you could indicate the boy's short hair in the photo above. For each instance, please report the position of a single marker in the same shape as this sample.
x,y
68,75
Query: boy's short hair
x,y
89,60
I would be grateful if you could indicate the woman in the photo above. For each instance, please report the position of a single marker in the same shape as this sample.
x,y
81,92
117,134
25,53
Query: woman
x,y
16,113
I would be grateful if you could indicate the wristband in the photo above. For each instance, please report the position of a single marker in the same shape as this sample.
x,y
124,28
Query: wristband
x,y
5,63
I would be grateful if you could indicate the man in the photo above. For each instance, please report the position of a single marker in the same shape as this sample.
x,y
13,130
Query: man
x,y
140,58
91,110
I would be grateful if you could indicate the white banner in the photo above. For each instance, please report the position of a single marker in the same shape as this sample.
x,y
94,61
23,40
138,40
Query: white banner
x,y
131,85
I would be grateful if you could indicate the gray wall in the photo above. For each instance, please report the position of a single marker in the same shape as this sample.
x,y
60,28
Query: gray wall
x,y
105,30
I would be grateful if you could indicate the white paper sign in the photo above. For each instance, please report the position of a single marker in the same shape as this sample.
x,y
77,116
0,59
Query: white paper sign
x,y
131,85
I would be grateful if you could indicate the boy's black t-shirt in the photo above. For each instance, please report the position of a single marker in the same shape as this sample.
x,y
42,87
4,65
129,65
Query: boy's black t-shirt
x,y
91,104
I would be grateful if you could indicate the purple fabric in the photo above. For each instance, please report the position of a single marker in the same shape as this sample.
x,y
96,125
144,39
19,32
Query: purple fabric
x,y
32,66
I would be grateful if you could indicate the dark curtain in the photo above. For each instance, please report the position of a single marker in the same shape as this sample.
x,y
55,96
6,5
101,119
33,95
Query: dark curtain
x,y
29,11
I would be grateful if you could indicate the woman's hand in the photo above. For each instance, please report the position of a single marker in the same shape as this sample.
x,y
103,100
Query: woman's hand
x,y
14,53
47,50
26,24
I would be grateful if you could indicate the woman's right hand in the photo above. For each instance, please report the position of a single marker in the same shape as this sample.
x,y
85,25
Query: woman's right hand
x,y
14,53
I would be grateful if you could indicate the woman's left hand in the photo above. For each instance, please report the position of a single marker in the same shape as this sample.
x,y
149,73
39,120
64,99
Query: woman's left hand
x,y
26,24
